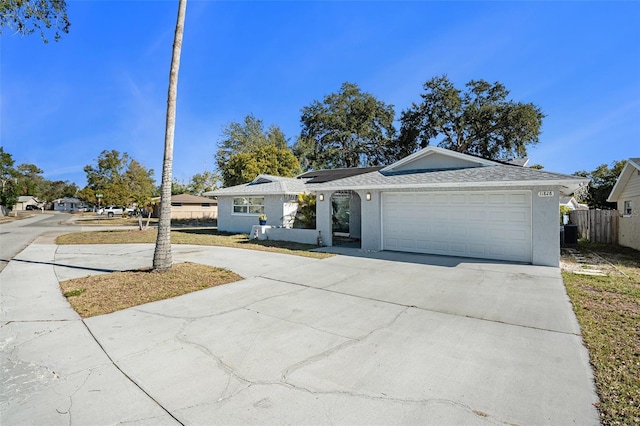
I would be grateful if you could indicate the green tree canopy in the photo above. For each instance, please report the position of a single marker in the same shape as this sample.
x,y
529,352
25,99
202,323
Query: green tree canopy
x,y
8,179
199,183
350,128
269,159
247,137
27,16
30,180
203,182
480,121
140,184
120,179
52,190
603,178
248,150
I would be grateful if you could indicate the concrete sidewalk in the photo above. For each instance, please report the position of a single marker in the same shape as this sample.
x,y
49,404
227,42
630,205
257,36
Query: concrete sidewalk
x,y
382,338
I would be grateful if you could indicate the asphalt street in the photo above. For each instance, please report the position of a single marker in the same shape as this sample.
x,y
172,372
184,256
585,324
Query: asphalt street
x,y
17,234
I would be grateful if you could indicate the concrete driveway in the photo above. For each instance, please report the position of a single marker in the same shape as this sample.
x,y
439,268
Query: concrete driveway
x,y
359,338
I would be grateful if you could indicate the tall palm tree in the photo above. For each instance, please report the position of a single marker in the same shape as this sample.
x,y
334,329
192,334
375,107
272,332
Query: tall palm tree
x,y
162,259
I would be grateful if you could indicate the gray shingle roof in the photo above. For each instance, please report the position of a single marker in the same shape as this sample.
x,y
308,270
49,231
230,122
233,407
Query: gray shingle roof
x,y
321,176
277,186
497,175
473,176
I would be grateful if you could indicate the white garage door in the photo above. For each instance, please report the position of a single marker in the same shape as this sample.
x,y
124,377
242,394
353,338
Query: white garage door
x,y
488,225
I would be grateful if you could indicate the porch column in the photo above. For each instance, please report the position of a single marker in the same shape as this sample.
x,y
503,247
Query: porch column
x,y
323,216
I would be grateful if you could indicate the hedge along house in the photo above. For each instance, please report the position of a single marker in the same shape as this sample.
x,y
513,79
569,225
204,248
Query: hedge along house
x,y
434,201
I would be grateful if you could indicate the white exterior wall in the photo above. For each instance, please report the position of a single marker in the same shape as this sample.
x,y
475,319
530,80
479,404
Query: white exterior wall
x,y
289,211
371,226
274,208
323,217
629,226
545,230
67,206
303,236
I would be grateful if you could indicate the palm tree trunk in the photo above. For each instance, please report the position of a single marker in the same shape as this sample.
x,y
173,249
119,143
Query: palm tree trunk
x,y
162,259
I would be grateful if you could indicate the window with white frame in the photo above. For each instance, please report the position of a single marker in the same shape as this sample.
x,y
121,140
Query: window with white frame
x,y
628,208
248,205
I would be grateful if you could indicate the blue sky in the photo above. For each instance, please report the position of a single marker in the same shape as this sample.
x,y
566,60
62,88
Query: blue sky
x,y
104,85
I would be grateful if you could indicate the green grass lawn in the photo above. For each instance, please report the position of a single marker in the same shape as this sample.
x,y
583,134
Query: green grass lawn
x,y
608,309
106,293
195,236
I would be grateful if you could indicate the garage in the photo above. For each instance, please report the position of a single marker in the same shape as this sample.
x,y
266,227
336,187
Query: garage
x,y
479,224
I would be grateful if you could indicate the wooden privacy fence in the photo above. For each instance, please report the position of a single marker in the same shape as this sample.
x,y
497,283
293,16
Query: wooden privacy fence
x,y
596,226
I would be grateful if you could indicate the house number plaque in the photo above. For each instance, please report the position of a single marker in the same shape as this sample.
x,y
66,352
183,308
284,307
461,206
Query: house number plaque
x,y
545,193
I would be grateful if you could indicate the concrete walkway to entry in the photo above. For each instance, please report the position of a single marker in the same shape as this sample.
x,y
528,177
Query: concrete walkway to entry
x,y
382,338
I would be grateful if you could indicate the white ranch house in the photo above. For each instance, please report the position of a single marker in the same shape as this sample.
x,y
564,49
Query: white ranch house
x,y
434,201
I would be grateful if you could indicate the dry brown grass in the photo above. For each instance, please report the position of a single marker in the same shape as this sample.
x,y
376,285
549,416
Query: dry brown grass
x,y
608,309
103,294
194,236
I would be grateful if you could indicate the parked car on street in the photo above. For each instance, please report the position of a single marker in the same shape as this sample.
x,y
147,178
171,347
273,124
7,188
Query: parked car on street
x,y
111,211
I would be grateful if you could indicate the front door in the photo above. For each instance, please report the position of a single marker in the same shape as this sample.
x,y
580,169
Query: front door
x,y
340,213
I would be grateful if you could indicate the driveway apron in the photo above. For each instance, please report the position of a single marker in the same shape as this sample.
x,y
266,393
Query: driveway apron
x,y
359,338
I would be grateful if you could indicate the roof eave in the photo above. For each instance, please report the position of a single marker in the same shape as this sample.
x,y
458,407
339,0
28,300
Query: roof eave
x,y
429,150
567,187
253,194
621,182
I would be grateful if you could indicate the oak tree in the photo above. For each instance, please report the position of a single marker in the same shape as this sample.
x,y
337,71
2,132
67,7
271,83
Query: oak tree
x,y
203,182
247,137
243,167
248,150
350,128
8,178
119,178
603,178
479,121
28,16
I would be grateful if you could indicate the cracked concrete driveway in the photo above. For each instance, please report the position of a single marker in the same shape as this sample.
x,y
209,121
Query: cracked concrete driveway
x,y
384,338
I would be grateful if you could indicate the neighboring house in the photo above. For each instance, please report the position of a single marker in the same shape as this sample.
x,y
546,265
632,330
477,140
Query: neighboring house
x,y
626,193
67,204
187,206
572,204
434,201
27,200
